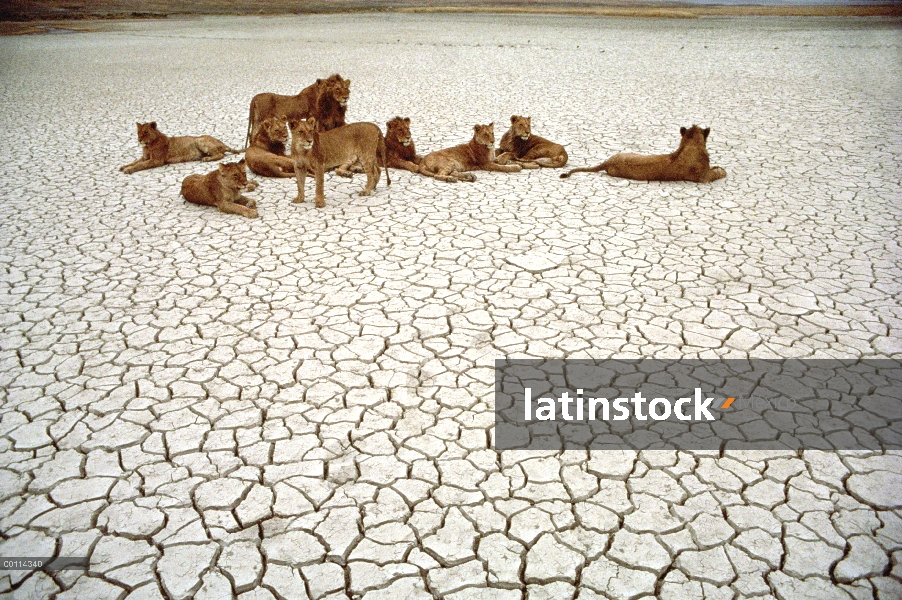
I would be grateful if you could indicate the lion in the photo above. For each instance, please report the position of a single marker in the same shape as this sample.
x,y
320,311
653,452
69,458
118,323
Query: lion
x,y
266,155
399,148
332,103
689,162
221,188
530,151
300,106
312,149
450,164
159,149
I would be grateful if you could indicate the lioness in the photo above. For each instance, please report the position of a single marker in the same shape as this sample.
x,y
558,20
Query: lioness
x,y
399,149
221,188
159,149
530,151
300,106
478,154
266,155
689,162
318,151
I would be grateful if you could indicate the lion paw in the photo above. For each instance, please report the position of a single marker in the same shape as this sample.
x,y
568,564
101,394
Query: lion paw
x,y
515,169
251,186
253,214
343,173
251,204
320,203
469,177
364,193
298,200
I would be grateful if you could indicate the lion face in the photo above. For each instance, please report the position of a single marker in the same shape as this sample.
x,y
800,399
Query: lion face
x,y
398,129
339,89
302,133
521,127
485,135
147,132
275,129
233,175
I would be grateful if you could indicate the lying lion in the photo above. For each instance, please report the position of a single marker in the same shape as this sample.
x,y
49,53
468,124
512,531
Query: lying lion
x,y
305,104
530,151
266,155
449,165
160,149
399,148
690,162
221,188
317,151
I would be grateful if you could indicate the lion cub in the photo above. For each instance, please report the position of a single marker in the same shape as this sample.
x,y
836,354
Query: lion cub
x,y
689,162
159,149
266,155
478,154
221,188
321,150
530,151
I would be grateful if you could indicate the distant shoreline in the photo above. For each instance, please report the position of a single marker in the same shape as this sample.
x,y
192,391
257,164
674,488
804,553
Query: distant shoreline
x,y
51,16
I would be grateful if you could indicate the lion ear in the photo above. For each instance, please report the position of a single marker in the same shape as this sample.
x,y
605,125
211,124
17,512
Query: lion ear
x,y
407,120
241,163
153,124
476,127
706,131
311,121
347,82
513,119
682,131
221,167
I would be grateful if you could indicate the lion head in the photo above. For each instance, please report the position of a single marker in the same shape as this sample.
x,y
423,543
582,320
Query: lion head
x,y
274,129
521,127
695,135
147,132
398,129
233,175
337,89
485,135
303,132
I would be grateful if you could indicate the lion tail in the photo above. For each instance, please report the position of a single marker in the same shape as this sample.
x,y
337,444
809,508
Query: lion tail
x,y
383,156
250,124
594,169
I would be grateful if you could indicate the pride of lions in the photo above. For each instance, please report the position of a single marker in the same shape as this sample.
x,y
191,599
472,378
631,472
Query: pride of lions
x,y
321,140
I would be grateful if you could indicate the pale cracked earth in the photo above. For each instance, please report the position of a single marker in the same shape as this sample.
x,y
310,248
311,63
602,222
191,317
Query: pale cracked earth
x,y
300,406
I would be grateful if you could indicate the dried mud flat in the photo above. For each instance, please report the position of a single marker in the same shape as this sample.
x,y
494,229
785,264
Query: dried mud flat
x,y
300,406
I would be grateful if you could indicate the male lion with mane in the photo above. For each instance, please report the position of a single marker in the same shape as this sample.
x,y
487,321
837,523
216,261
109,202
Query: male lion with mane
x,y
305,104
689,162
530,151
317,151
266,155
450,165
159,149
221,188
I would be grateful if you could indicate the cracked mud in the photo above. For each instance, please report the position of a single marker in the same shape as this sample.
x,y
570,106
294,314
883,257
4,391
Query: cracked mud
x,y
300,406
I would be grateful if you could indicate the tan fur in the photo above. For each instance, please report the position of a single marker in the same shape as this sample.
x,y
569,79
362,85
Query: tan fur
x,y
689,162
266,155
313,100
399,147
530,151
318,151
451,164
221,188
159,149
